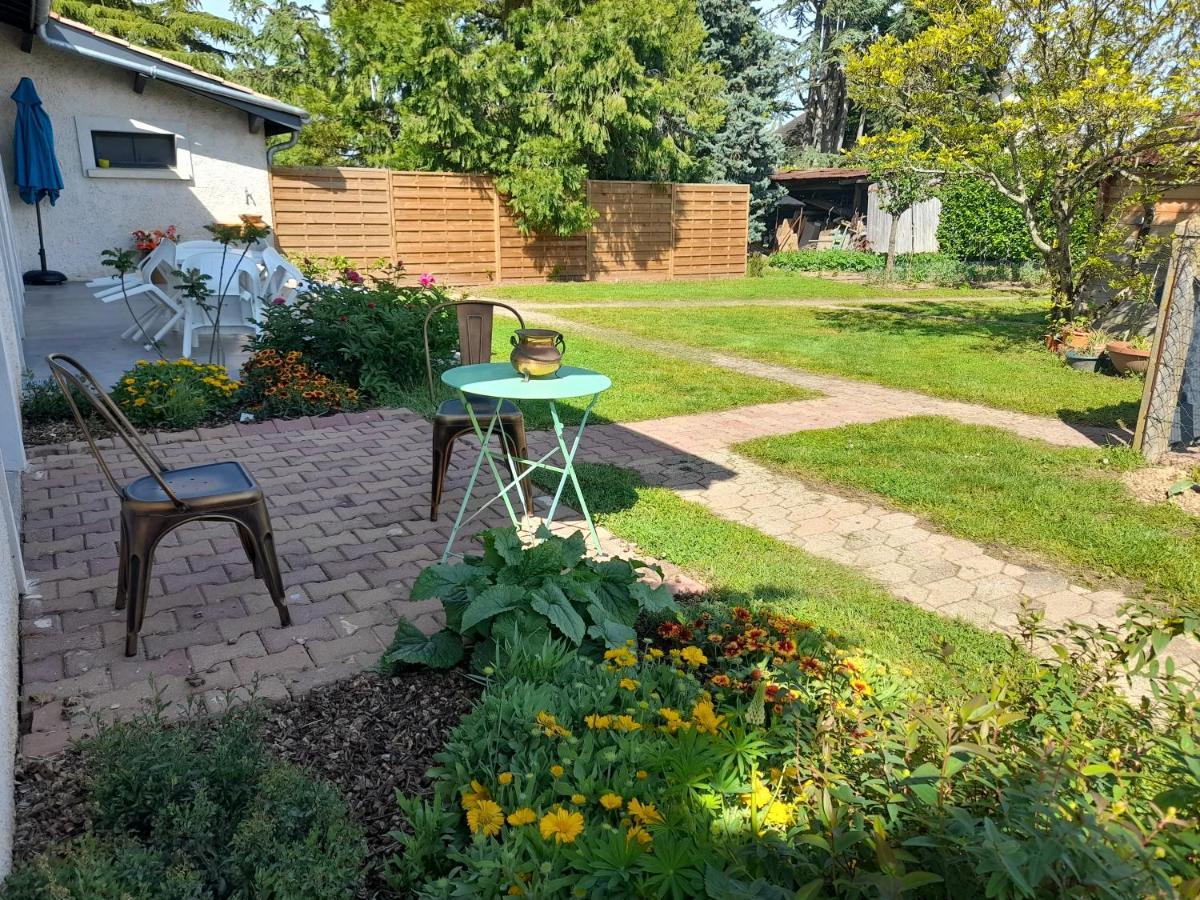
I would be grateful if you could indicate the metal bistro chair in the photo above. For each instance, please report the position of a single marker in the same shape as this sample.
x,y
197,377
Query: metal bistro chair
x,y
155,504
452,421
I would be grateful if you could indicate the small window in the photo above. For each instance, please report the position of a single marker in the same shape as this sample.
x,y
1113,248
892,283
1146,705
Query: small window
x,y
134,150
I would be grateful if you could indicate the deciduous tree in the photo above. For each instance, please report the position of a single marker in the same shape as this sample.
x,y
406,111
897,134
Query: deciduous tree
x,y
1044,100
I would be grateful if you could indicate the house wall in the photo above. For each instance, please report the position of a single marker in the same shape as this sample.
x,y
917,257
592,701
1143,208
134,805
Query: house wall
x,y
229,170
12,462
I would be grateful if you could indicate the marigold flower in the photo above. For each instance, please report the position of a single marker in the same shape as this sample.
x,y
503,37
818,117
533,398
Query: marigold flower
x,y
561,826
140,401
485,817
597,722
475,794
550,726
629,684
639,834
626,723
721,680
705,718
694,656
611,801
621,657
654,653
645,813
557,771
578,799
505,778
642,775
860,687
674,720
522,816
741,614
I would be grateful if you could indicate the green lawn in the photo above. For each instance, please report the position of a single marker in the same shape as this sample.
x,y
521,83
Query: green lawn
x,y
977,351
645,385
772,286
744,566
988,485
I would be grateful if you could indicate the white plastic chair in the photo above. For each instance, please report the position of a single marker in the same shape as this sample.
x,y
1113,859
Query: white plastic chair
x,y
154,278
283,278
238,280
161,259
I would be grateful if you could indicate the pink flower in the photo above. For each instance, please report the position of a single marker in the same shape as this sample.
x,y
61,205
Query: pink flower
x,y
278,301
352,276
427,280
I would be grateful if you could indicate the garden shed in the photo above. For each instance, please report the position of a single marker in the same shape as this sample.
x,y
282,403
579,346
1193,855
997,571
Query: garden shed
x,y
836,208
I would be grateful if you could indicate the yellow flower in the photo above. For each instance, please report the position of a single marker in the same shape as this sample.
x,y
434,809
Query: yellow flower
x,y
578,799
131,381
626,723
639,834
759,796
561,825
475,795
142,362
705,718
694,656
629,684
140,401
781,815
645,813
611,800
522,816
654,653
485,817
674,720
549,725
557,771
860,687
505,778
621,657
642,775
598,722
515,890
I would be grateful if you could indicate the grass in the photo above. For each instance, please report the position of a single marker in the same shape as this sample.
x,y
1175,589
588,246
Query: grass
x,y
744,566
645,386
1065,504
772,286
990,353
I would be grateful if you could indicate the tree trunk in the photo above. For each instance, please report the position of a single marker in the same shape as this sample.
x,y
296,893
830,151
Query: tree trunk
x,y
890,267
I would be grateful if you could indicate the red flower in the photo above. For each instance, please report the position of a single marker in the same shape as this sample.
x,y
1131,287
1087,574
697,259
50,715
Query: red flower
x,y
741,614
343,318
669,630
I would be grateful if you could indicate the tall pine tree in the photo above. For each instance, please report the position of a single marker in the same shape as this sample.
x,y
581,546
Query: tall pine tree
x,y
753,65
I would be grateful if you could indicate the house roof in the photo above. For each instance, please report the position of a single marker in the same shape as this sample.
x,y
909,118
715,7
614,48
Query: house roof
x,y
64,34
814,177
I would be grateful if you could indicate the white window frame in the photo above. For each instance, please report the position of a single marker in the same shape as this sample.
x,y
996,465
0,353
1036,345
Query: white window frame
x,y
85,125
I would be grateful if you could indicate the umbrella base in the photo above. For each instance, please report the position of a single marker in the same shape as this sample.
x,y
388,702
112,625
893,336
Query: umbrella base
x,y
43,277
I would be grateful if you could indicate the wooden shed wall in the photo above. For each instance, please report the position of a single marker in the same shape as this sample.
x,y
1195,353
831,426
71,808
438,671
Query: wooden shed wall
x,y
459,228
916,231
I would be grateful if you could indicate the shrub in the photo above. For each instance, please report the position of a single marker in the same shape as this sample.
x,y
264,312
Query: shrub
x,y
199,810
976,222
826,261
363,331
527,593
179,394
42,401
749,754
756,265
280,385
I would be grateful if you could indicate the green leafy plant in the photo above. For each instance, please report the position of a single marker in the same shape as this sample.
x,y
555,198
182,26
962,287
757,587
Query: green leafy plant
x,y
363,330
827,261
174,395
198,809
42,401
531,592
756,265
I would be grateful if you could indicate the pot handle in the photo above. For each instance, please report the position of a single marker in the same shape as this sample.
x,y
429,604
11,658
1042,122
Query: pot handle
x,y
561,343
512,339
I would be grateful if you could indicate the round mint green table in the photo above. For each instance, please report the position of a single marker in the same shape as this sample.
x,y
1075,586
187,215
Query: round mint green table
x,y
499,381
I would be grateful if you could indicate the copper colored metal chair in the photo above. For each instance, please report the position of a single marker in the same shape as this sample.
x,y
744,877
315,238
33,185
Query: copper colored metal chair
x,y
451,421
156,504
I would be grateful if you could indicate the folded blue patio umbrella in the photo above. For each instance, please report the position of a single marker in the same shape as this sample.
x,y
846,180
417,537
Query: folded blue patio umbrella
x,y
36,170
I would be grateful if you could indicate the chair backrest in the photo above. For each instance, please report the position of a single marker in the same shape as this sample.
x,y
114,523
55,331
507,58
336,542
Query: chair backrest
x,y
474,332
224,270
76,382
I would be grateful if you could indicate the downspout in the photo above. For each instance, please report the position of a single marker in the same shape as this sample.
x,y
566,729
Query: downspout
x,y
278,148
156,73
40,13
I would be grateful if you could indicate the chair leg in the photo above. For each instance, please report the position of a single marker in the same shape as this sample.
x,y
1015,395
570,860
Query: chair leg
x,y
143,536
443,451
122,567
257,521
251,552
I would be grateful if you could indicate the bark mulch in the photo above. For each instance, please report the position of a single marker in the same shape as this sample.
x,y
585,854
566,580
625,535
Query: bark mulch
x,y
370,735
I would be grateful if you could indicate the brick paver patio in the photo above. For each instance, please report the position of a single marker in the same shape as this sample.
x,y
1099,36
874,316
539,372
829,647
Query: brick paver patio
x,y
349,503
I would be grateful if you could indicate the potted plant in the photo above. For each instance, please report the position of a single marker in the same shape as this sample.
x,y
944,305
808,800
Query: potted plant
x,y
1075,334
1087,357
1131,356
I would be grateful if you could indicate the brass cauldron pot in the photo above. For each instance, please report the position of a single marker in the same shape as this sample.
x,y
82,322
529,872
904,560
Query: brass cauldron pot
x,y
537,352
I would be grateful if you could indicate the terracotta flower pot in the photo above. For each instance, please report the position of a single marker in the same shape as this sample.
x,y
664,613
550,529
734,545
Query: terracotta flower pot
x,y
1076,338
1128,360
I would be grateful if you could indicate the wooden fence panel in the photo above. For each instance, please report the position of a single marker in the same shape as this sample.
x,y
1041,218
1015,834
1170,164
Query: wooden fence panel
x,y
459,229
710,229
632,234
445,224
333,212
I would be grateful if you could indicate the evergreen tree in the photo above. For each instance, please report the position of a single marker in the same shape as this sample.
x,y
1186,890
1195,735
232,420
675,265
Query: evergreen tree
x,y
752,62
179,29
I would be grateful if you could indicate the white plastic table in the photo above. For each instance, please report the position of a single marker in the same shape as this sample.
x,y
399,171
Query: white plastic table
x,y
499,381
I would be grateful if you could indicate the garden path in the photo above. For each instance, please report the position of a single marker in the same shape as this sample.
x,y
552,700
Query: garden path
x,y
984,586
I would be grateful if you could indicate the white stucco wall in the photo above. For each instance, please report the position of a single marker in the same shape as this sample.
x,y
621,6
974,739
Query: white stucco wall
x,y
12,461
229,169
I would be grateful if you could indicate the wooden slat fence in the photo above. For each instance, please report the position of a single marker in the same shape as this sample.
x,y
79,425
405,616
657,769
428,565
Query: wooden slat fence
x,y
459,228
